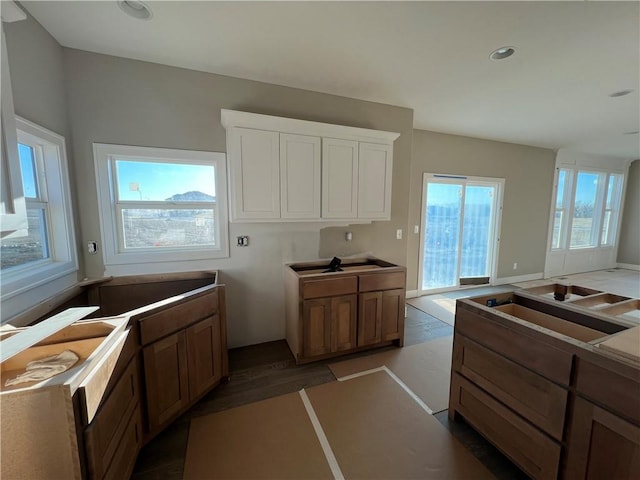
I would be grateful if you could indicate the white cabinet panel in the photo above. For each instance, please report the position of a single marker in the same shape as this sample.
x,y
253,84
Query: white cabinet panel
x,y
254,166
13,209
339,178
284,169
375,165
300,176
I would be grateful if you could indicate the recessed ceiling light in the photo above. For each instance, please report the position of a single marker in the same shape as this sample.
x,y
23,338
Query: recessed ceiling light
x,y
620,93
502,53
135,9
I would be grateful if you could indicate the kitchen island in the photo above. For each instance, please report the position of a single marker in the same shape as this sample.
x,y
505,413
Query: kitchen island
x,y
554,386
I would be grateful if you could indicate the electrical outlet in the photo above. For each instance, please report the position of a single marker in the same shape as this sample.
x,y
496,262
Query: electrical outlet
x,y
242,241
515,265
92,247
399,234
416,229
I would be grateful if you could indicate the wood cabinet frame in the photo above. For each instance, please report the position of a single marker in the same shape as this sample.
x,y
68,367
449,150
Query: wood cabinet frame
x,y
328,314
583,400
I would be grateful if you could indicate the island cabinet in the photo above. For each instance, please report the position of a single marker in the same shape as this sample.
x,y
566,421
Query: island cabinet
x,y
329,314
545,389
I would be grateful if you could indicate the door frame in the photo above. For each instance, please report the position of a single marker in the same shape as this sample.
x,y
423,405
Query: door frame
x,y
496,228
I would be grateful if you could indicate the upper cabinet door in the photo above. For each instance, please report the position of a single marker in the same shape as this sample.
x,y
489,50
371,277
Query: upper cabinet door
x,y
300,162
13,208
375,166
339,178
254,166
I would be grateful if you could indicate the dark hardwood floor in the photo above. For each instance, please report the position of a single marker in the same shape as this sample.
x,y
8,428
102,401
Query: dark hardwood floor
x,y
267,370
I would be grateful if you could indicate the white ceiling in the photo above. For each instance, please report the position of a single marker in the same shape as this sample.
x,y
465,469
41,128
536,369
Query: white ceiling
x,y
428,56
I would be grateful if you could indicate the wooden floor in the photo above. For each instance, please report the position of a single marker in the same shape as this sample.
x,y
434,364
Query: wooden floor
x,y
267,370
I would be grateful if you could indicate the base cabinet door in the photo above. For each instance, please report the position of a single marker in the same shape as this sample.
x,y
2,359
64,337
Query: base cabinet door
x,y
316,327
204,355
370,318
601,445
393,314
166,378
343,323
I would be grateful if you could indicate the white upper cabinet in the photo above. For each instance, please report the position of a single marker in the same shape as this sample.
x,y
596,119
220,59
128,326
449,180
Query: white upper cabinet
x,y
300,177
374,181
254,174
282,169
13,207
339,178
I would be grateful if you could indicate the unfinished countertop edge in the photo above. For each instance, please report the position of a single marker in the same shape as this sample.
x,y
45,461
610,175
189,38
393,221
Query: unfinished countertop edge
x,y
553,338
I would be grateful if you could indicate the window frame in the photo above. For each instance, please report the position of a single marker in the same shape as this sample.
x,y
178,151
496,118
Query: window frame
x,y
55,199
108,206
571,178
616,199
596,219
566,209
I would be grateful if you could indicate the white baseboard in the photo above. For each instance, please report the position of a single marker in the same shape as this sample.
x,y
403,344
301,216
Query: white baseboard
x,y
629,266
518,279
412,293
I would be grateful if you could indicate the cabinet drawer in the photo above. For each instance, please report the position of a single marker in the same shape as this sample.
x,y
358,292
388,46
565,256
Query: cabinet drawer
x,y
534,354
105,433
535,398
529,448
382,281
165,322
620,395
329,287
124,458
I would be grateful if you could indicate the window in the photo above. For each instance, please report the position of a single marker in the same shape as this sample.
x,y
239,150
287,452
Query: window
x,y
45,249
562,200
611,209
160,204
589,187
592,199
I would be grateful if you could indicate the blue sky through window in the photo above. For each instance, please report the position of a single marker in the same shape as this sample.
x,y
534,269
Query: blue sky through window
x,y
27,167
138,180
586,187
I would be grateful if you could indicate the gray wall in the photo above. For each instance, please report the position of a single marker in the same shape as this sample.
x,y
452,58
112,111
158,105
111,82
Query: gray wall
x,y
121,101
38,83
629,246
528,174
35,61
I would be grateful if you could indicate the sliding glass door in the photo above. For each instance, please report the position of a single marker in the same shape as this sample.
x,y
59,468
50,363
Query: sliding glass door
x,y
459,232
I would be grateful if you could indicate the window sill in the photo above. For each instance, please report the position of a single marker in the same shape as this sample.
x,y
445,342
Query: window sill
x,y
132,258
15,283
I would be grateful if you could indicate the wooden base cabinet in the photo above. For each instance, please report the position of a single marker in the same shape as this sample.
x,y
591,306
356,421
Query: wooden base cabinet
x,y
332,313
180,368
601,445
542,392
138,372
